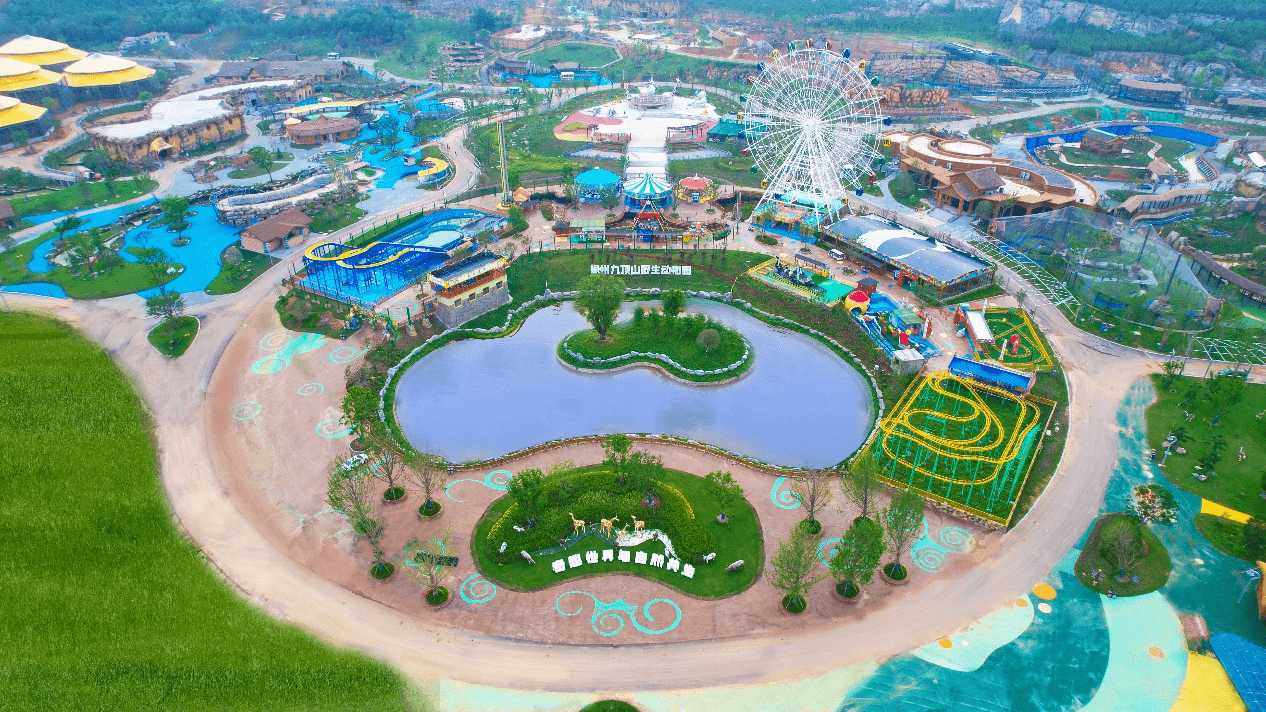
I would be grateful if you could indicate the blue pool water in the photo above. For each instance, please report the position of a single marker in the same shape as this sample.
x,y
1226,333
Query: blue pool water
x,y
201,256
394,168
39,258
545,81
43,289
1183,133
441,228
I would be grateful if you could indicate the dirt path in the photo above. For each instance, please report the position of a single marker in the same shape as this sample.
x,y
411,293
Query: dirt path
x,y
1099,374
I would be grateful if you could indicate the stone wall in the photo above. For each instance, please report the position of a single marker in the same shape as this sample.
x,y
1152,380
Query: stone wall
x,y
901,95
452,317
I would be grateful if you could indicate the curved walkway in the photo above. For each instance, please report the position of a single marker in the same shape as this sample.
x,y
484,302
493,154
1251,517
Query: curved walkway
x,y
1099,373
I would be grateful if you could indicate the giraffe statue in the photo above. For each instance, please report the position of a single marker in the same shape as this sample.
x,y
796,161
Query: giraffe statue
x,y
578,525
607,526
638,524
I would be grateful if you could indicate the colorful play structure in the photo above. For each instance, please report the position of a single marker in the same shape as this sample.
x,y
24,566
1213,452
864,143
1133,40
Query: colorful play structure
x,y
696,189
648,190
365,276
966,438
1007,336
894,328
596,185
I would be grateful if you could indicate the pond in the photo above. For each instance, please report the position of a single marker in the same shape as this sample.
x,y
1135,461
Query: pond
x,y
801,405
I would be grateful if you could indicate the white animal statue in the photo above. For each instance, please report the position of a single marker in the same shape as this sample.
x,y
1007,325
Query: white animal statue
x,y
519,529
735,566
528,556
708,559
504,544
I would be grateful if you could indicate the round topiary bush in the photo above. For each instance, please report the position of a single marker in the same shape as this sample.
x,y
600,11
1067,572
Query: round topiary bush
x,y
609,706
895,571
393,494
382,570
794,604
437,596
429,508
812,527
847,589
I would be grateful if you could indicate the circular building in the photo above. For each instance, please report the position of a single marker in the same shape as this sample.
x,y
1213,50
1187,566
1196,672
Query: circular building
x,y
323,130
432,170
101,76
648,189
28,82
696,189
41,52
596,185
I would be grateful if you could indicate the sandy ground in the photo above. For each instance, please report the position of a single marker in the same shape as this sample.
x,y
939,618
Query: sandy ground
x,y
206,476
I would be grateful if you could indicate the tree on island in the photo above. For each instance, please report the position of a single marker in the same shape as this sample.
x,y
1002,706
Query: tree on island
x,y
814,490
674,302
861,485
600,297
1253,538
168,307
708,340
1153,504
69,224
855,558
901,519
727,491
175,210
794,568
263,160
1121,544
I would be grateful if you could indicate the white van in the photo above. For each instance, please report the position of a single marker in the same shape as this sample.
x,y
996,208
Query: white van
x,y
835,254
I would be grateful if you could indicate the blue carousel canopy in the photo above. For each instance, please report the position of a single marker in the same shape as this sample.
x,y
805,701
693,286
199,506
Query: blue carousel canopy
x,y
649,188
597,179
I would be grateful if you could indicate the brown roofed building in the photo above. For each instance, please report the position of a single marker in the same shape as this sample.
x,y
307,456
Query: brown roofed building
x,y
1102,143
1167,93
277,232
323,130
8,220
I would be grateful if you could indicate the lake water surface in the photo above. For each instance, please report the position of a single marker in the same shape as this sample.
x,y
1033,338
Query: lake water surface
x,y
801,405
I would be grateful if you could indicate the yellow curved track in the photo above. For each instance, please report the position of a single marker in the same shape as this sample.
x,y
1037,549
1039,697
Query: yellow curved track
x,y
341,255
1032,353
990,444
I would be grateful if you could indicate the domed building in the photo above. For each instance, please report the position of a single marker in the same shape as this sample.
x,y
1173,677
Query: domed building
x,y
41,52
31,83
16,116
101,76
596,185
648,189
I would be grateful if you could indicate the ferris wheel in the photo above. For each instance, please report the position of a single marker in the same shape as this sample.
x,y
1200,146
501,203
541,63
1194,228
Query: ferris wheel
x,y
813,126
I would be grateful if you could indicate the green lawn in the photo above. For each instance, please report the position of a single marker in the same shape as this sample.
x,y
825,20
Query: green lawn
x,y
1245,234
736,169
253,265
186,330
676,339
336,217
1224,534
739,539
84,195
911,199
1050,385
107,605
254,171
1237,483
587,54
127,278
1152,570
609,706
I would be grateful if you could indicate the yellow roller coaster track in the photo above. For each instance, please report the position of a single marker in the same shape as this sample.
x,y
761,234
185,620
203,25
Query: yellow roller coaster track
x,y
352,252
1023,359
899,425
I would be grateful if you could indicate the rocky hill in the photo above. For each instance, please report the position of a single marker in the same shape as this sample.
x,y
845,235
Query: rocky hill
x,y
1028,15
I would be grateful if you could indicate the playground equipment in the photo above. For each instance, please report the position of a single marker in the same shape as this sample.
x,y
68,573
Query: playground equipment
x,y
961,442
365,276
891,326
506,198
1016,341
857,300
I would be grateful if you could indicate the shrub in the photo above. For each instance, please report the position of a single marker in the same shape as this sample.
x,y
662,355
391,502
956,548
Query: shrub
x,y
429,509
794,604
437,595
895,571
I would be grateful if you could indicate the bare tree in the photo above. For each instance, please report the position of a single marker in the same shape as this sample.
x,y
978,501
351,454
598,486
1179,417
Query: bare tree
x,y
429,477
386,463
350,490
432,562
813,489
901,520
1121,544
861,484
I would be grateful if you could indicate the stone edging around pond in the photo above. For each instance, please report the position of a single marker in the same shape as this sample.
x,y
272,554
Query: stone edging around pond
x,y
659,368
747,353
541,300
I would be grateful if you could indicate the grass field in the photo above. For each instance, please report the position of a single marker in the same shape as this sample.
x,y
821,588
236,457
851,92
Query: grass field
x,y
739,539
586,54
107,606
84,195
186,330
1224,534
677,340
1245,233
127,278
735,169
1237,483
253,265
961,443
1152,570
1032,354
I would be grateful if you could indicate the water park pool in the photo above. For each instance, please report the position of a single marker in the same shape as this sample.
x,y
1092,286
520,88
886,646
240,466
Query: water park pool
x,y
545,81
43,289
800,404
1199,138
444,229
207,239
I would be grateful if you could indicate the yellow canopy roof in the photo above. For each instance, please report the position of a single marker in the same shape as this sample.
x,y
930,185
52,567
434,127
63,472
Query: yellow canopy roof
x,y
16,76
102,70
323,106
13,112
37,50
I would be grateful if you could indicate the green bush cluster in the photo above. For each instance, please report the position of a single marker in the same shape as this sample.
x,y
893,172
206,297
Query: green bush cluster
x,y
592,495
